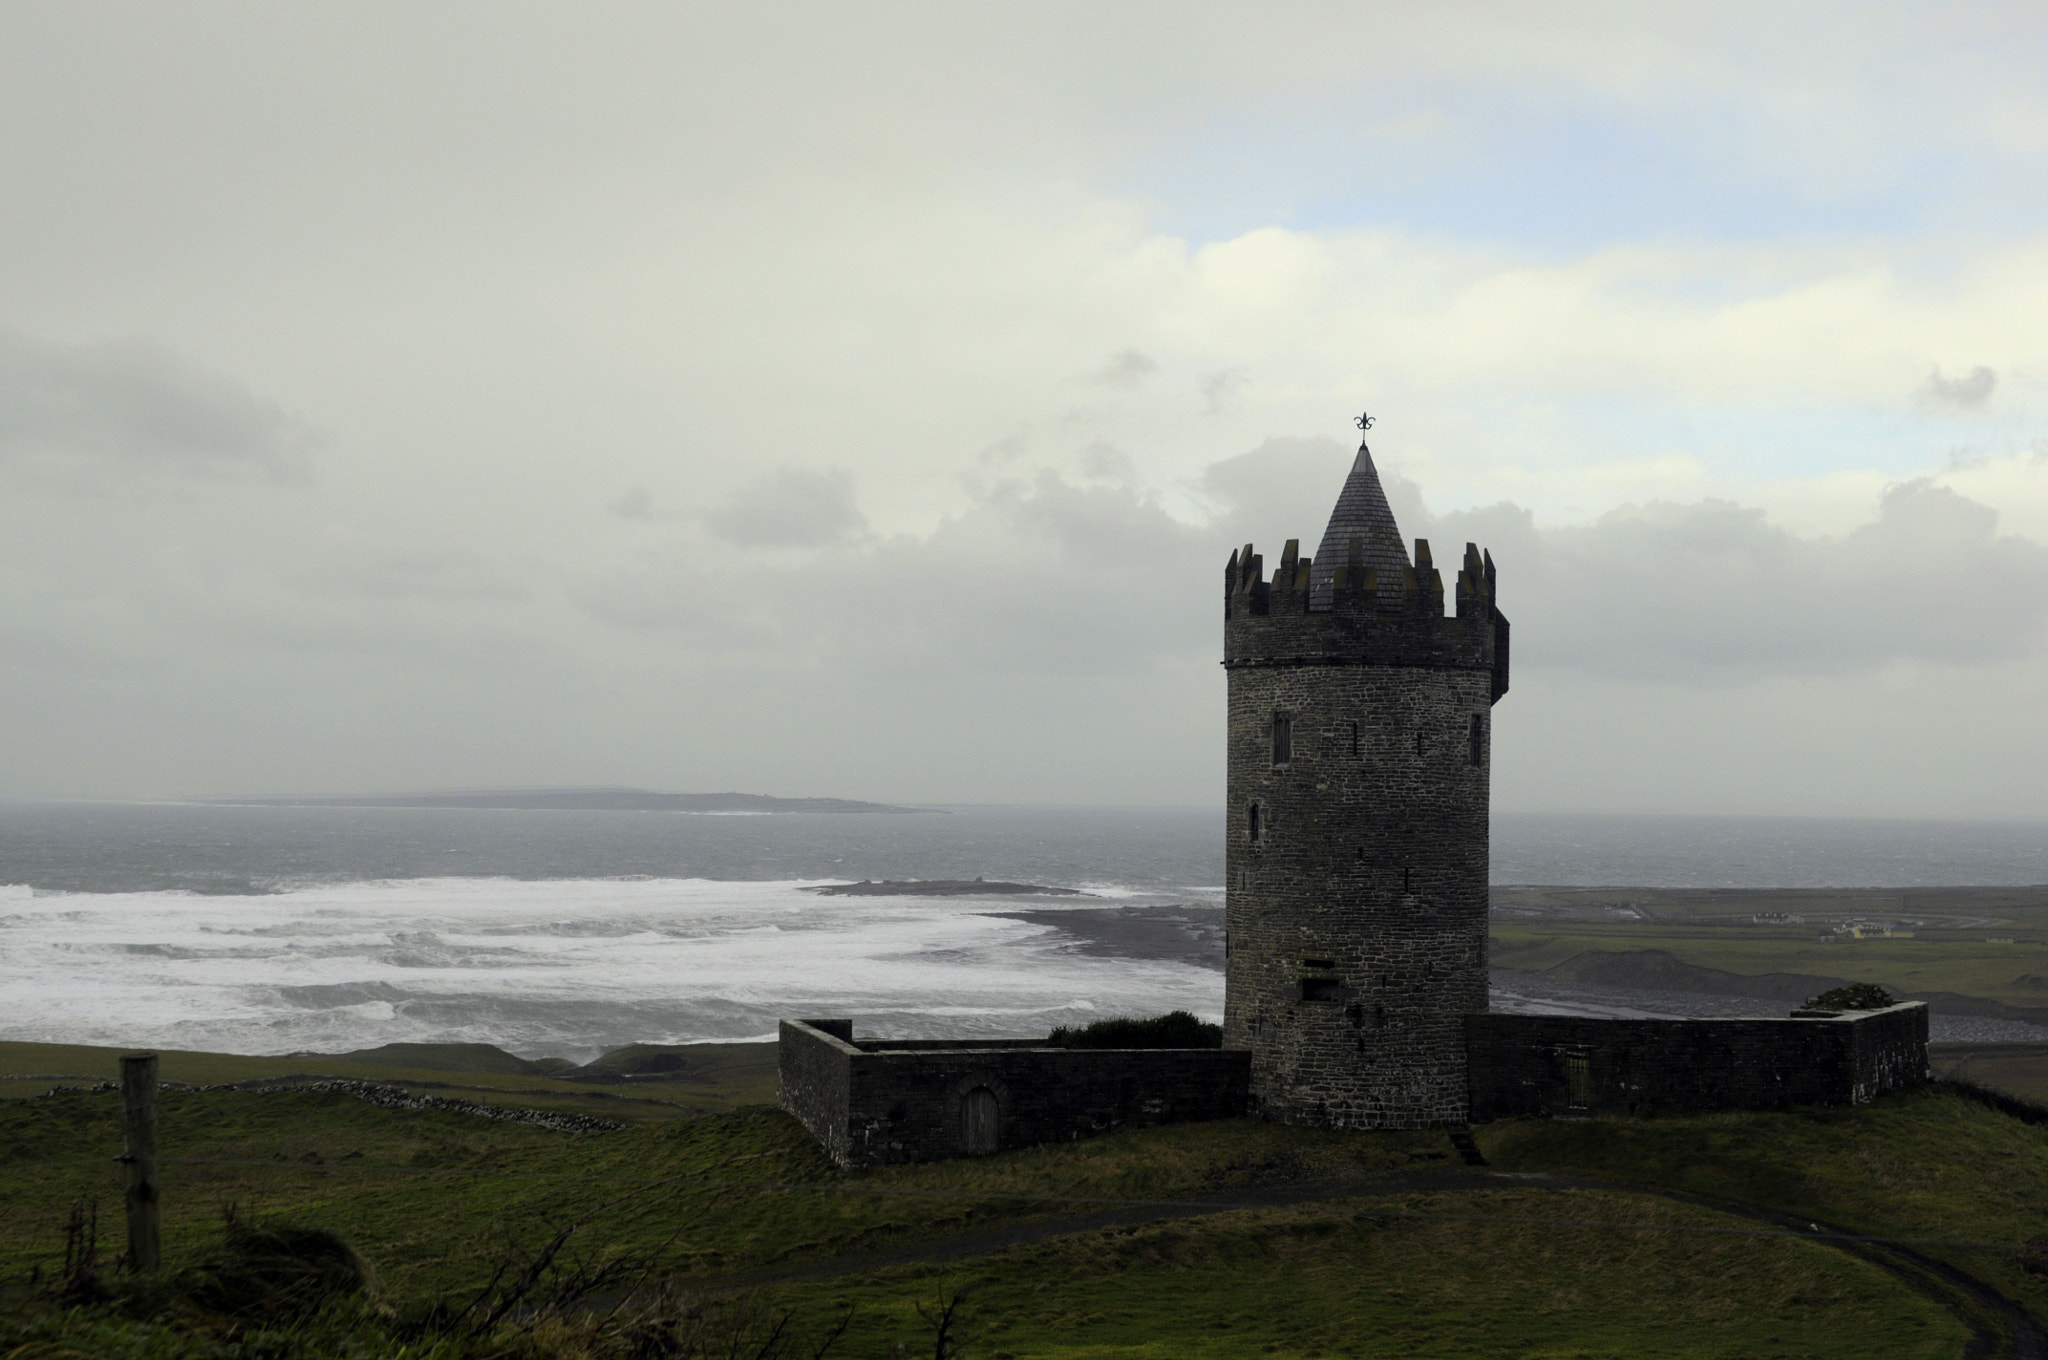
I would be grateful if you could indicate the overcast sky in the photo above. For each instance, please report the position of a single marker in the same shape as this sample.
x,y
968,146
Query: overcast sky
x,y
863,400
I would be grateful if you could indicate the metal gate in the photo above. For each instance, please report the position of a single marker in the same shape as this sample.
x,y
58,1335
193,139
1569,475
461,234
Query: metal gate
x,y
981,1116
1578,1080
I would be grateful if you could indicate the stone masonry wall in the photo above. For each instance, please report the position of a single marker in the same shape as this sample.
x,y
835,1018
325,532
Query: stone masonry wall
x,y
1565,1065
1357,856
813,1078
873,1103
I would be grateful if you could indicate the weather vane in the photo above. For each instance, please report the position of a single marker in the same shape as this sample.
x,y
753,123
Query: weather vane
x,y
1363,421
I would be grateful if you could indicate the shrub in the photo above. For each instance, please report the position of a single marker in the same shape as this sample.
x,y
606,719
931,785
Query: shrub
x,y
1857,996
1175,1029
274,1271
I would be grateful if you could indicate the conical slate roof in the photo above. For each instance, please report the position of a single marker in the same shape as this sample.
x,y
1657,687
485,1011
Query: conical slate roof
x,y
1361,510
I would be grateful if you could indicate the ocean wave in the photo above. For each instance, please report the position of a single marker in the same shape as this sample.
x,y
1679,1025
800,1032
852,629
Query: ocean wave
x,y
563,966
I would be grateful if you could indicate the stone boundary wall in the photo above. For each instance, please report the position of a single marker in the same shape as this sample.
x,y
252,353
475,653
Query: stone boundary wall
x,y
880,1102
1573,1065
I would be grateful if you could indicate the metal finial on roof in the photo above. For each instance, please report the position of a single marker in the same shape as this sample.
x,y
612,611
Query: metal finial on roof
x,y
1361,512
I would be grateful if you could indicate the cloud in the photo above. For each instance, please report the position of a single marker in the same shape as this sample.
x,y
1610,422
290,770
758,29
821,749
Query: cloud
x,y
635,502
117,408
1127,370
1285,488
1039,576
1105,462
1712,593
1968,392
1095,577
1220,386
790,508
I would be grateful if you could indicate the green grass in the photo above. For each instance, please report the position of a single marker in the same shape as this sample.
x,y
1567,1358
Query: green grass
x,y
435,1199
1502,1273
435,1202
1921,1163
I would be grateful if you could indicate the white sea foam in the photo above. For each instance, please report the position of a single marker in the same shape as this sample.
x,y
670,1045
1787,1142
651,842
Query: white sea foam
x,y
559,966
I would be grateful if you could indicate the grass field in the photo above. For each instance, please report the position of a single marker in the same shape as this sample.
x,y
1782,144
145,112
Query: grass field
x,y
634,1085
2017,1069
1987,946
1399,1257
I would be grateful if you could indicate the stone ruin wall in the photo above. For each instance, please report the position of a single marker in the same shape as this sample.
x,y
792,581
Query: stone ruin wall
x,y
1570,1065
883,1102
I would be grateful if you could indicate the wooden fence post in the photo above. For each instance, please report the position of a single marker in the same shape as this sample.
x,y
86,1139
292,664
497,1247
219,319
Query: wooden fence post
x,y
138,1128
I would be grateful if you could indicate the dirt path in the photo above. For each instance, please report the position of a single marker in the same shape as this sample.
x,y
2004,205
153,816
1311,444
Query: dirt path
x,y
1998,1326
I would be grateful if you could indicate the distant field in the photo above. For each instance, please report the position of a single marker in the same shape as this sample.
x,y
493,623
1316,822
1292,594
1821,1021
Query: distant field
x,y
643,1083
2018,1069
1973,951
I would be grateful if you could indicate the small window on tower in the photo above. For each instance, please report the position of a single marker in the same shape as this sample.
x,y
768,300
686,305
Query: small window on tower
x,y
1283,738
1354,741
1476,740
1322,989
1255,823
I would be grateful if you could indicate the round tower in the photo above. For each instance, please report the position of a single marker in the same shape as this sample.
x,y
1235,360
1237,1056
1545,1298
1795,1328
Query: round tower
x,y
1360,737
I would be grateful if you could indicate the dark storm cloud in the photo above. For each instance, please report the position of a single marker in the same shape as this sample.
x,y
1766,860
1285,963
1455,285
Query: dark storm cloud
x,y
118,407
790,508
1711,593
1967,393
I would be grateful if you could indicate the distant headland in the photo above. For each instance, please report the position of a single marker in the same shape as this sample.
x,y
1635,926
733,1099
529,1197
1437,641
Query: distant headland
x,y
585,800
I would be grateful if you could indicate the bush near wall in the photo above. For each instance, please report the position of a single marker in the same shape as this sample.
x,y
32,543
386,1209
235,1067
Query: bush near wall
x,y
1175,1029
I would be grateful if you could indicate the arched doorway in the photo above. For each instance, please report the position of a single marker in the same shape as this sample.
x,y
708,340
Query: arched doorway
x,y
981,1116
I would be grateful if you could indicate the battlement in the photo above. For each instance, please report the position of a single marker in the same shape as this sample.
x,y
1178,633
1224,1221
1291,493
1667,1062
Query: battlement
x,y
1350,616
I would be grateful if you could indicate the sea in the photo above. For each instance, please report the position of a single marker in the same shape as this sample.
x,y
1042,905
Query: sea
x,y
268,929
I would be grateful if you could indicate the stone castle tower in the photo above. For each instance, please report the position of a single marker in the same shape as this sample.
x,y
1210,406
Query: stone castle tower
x,y
1360,738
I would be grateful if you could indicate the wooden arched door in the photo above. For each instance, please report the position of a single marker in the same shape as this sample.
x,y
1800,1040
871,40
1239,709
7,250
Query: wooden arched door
x,y
981,1119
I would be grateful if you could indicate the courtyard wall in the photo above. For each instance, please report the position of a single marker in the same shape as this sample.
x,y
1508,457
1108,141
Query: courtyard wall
x,y
1570,1065
873,1102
